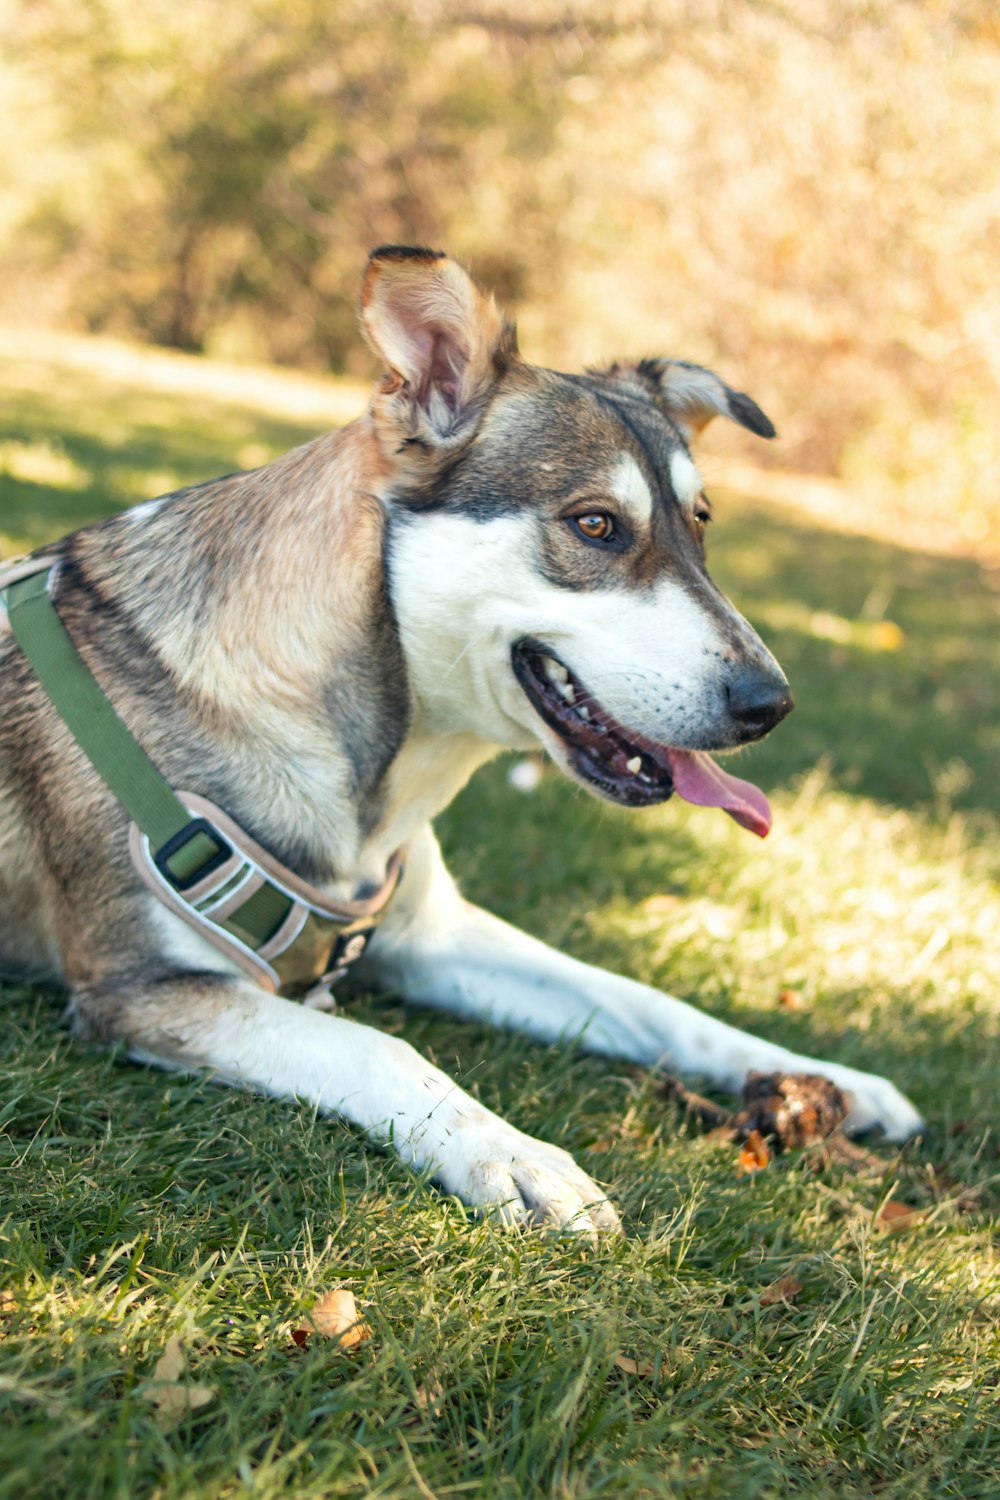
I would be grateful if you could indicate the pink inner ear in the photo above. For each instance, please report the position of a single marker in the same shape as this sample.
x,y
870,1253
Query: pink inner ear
x,y
444,366
429,351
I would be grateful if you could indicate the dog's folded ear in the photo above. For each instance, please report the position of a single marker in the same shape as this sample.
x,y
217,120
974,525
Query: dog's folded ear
x,y
692,395
445,344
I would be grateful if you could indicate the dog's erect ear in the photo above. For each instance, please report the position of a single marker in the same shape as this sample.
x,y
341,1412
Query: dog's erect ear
x,y
692,396
444,343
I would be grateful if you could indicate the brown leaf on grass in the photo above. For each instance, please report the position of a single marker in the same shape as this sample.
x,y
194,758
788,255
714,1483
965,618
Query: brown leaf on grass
x,y
335,1316
781,1111
7,1303
754,1154
786,1289
791,1000
791,1109
172,1397
894,1216
633,1366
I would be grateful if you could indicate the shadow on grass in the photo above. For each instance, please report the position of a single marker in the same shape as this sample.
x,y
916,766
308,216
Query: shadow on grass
x,y
119,447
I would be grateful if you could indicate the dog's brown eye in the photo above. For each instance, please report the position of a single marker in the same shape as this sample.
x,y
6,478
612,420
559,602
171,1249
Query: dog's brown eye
x,y
595,526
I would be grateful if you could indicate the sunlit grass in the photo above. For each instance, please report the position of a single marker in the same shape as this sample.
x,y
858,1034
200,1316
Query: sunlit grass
x,y
92,425
136,1205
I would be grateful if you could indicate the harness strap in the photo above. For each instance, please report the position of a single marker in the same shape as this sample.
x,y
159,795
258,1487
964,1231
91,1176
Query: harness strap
x,y
266,907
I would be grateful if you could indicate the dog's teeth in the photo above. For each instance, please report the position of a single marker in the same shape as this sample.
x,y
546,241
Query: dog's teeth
x,y
555,671
583,711
634,765
565,690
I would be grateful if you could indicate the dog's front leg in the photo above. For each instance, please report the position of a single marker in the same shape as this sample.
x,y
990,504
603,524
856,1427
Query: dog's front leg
x,y
440,949
248,1037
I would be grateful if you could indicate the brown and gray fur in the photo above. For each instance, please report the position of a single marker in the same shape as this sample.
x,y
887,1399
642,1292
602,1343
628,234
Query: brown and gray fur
x,y
249,633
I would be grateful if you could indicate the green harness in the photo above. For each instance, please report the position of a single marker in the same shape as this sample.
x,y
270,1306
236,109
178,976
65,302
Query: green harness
x,y
289,936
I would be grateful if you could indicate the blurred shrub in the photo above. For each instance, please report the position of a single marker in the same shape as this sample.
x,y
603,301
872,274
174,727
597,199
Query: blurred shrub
x,y
224,169
804,189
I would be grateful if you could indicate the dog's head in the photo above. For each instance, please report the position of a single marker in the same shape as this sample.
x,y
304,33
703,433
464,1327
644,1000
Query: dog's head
x,y
546,549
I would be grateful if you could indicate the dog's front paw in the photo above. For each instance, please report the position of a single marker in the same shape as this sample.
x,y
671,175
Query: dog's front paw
x,y
876,1104
519,1180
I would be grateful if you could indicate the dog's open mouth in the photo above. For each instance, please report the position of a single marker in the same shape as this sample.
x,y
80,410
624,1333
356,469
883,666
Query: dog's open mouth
x,y
622,765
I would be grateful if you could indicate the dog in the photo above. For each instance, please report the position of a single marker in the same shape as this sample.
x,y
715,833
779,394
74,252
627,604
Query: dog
x,y
320,653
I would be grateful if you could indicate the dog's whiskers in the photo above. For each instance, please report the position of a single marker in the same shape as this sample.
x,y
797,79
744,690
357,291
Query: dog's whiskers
x,y
463,653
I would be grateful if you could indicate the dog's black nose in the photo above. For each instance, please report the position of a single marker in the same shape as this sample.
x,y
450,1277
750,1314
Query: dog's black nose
x,y
758,700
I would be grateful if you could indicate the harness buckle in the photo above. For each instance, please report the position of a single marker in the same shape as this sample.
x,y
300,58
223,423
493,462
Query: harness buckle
x,y
222,854
346,951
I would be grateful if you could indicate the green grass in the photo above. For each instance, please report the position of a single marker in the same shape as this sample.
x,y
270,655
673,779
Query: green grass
x,y
135,1204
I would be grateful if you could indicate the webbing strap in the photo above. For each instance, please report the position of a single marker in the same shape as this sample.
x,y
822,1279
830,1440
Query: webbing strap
x,y
81,704
117,756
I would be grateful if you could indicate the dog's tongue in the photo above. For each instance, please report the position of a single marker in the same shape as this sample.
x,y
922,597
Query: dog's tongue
x,y
698,779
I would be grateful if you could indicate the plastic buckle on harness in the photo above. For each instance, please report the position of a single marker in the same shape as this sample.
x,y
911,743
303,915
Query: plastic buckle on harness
x,y
346,951
222,854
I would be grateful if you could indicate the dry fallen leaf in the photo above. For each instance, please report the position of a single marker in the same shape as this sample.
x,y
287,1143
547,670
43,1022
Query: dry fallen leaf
x,y
894,1216
753,1153
791,1109
172,1397
633,1366
791,1000
7,1303
335,1316
786,1289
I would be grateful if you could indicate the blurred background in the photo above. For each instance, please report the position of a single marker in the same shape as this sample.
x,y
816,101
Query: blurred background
x,y
805,194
